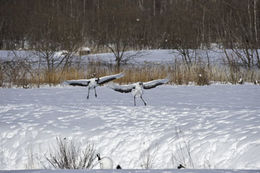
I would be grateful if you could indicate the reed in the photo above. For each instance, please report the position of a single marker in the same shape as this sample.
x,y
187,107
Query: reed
x,y
178,73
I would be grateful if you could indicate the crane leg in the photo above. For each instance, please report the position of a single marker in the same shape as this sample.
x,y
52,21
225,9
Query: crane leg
x,y
143,100
95,92
88,93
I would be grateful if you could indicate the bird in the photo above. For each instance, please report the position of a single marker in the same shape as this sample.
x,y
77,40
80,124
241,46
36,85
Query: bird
x,y
94,82
241,81
118,167
180,166
256,82
137,88
105,162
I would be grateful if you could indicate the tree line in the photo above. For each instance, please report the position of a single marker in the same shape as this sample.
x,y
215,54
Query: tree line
x,y
48,26
135,24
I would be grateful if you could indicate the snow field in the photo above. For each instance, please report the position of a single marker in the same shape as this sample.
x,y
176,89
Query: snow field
x,y
218,125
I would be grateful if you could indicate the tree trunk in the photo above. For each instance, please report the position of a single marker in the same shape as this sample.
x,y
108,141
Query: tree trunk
x,y
255,21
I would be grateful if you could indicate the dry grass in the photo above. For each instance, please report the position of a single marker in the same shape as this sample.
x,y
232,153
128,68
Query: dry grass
x,y
179,73
70,155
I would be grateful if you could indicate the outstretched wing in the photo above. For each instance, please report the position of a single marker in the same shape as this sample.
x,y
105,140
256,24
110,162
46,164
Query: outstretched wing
x,y
105,79
80,82
121,88
154,83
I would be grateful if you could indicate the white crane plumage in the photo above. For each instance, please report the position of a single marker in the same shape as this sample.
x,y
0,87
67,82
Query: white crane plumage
x,y
105,162
137,88
94,82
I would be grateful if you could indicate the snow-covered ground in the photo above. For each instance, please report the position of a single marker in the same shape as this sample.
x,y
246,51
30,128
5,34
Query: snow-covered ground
x,y
135,171
161,56
218,125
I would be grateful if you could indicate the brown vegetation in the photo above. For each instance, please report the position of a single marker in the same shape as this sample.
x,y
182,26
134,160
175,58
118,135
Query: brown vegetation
x,y
23,75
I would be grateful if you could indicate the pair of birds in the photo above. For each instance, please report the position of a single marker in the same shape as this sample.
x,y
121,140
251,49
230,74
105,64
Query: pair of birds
x,y
135,88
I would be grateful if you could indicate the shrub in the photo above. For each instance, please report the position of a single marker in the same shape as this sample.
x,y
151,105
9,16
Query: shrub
x,y
202,76
68,155
148,157
182,154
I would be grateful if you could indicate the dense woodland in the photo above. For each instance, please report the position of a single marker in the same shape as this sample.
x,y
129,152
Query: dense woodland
x,y
135,24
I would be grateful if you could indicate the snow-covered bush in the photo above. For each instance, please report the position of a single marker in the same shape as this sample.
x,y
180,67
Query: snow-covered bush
x,y
148,157
68,155
182,154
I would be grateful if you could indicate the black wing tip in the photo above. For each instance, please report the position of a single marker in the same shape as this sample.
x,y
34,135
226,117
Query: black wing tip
x,y
113,77
106,81
161,82
122,91
115,88
77,84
